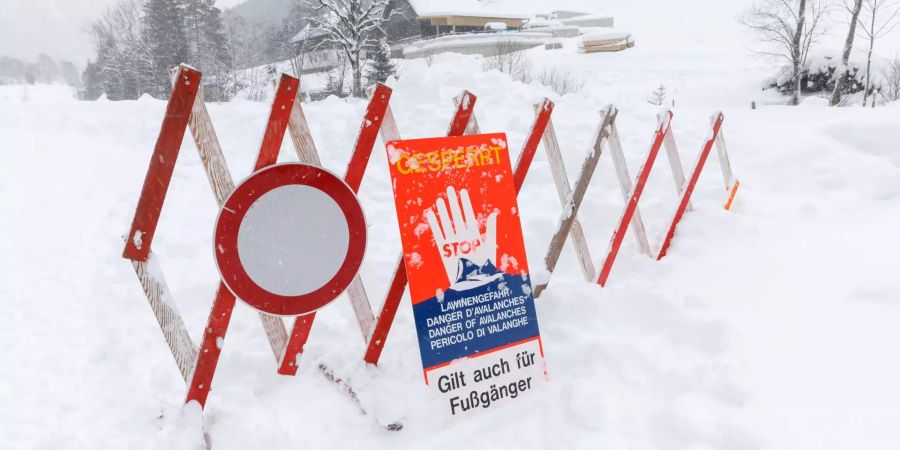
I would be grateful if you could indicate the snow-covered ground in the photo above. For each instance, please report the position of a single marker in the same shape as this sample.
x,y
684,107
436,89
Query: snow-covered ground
x,y
772,326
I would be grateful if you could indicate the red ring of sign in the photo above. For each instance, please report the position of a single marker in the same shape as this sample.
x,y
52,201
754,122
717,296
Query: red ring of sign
x,y
238,204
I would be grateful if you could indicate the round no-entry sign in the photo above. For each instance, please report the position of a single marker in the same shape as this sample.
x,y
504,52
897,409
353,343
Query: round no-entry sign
x,y
289,239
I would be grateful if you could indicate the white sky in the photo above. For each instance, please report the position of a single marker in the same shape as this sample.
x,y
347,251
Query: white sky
x,y
54,27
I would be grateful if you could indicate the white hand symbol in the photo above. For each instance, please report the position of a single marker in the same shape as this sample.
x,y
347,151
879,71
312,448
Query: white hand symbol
x,y
460,237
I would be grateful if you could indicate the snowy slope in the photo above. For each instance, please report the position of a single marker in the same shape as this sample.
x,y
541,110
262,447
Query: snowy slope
x,y
769,327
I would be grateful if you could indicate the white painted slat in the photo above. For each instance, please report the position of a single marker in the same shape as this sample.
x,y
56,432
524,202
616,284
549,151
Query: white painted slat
x,y
625,185
673,156
724,160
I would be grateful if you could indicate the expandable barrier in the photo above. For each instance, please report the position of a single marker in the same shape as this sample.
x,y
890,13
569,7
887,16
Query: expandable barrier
x,y
186,110
607,136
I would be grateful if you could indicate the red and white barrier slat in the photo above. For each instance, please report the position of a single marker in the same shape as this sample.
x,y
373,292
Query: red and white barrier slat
x,y
631,192
631,206
731,184
625,186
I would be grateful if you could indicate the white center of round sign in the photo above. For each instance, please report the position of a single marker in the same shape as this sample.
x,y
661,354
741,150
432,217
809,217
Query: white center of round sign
x,y
289,239
293,240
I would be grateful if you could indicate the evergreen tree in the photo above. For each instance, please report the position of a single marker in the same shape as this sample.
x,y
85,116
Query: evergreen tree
x,y
380,65
207,44
165,31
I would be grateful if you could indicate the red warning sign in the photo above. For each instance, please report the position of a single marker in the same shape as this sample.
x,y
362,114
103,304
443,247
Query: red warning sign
x,y
468,273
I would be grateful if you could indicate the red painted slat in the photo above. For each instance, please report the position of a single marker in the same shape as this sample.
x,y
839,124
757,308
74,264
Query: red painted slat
x,y
692,182
223,306
388,313
526,156
368,132
162,164
211,347
398,282
296,342
464,110
279,116
628,213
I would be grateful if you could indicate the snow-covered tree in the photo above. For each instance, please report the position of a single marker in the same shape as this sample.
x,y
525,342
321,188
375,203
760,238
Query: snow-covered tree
x,y
879,18
138,41
380,67
840,75
352,26
788,28
124,61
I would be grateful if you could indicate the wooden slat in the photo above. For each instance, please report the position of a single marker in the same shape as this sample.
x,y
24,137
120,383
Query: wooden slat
x,y
162,165
563,191
170,322
618,158
573,202
672,154
301,137
689,189
210,151
631,206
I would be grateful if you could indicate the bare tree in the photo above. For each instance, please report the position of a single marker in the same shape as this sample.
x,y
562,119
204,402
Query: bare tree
x,y
123,50
561,81
879,18
334,80
789,28
890,85
509,59
854,7
352,26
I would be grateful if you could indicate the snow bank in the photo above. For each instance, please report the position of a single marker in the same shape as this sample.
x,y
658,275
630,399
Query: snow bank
x,y
41,94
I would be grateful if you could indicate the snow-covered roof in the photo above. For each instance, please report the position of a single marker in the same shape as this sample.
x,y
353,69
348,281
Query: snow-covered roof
x,y
307,33
464,8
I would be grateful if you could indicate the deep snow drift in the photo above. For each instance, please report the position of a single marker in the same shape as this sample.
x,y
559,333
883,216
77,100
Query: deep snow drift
x,y
772,326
